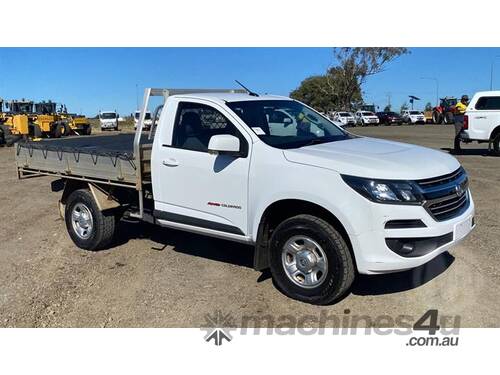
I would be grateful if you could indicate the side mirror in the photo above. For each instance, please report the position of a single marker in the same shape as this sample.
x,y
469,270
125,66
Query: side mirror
x,y
224,144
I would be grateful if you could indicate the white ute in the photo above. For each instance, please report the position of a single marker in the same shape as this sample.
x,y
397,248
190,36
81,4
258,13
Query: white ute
x,y
482,120
317,203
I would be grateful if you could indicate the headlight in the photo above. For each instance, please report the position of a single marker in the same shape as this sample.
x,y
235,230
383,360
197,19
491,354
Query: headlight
x,y
386,191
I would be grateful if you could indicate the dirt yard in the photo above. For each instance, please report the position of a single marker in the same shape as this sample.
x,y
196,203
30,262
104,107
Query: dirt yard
x,y
157,277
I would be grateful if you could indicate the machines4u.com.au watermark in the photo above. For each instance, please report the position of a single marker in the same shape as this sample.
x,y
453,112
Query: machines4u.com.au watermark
x,y
429,329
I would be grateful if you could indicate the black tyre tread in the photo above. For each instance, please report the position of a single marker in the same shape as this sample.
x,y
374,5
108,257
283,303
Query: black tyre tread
x,y
496,145
456,144
347,276
105,222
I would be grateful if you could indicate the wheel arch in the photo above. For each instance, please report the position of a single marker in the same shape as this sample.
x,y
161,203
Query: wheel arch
x,y
277,212
494,133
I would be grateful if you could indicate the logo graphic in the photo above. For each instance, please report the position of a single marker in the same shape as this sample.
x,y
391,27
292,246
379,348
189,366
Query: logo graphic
x,y
218,327
459,190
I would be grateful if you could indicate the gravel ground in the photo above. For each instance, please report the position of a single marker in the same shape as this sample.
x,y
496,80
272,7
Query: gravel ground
x,y
157,277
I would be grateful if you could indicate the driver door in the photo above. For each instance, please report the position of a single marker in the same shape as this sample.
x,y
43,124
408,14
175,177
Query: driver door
x,y
195,187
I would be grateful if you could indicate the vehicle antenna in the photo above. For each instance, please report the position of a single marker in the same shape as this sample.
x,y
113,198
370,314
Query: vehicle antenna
x,y
249,92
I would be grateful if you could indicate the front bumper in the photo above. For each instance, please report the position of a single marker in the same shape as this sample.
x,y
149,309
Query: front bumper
x,y
371,248
108,125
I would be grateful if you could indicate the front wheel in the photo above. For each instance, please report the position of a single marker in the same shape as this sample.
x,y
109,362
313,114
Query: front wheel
x,y
88,227
310,260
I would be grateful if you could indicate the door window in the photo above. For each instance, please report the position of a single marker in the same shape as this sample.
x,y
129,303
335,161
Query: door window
x,y
196,123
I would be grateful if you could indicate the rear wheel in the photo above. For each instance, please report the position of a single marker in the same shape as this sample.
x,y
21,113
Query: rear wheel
x,y
87,130
496,144
448,118
88,227
437,118
36,131
310,260
60,130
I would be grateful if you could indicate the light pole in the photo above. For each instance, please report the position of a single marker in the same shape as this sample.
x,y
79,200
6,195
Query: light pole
x,y
491,72
437,87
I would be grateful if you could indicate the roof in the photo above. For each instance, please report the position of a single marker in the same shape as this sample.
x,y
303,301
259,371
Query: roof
x,y
230,97
488,93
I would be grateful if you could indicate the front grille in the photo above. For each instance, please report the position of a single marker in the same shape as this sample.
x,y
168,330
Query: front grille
x,y
436,181
446,196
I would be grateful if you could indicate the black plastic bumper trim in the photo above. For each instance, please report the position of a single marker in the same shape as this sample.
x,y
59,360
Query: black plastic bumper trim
x,y
419,246
404,224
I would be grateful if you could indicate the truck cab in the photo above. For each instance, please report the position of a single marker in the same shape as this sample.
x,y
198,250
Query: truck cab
x,y
147,119
482,120
108,120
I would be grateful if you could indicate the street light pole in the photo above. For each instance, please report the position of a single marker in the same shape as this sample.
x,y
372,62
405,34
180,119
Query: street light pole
x,y
437,87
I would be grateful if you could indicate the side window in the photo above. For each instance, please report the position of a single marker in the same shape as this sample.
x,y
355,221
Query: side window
x,y
196,123
488,103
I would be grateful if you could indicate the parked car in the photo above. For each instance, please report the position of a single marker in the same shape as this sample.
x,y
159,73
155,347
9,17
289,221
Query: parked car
x,y
389,118
413,117
147,120
482,120
108,120
344,118
365,118
318,204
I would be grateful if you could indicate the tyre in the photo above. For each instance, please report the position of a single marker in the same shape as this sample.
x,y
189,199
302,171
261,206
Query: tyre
x,y
310,260
456,144
87,130
496,145
8,138
59,130
36,132
436,117
88,227
448,118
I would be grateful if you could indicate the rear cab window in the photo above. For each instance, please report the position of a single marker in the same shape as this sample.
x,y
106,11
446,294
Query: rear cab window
x,y
488,103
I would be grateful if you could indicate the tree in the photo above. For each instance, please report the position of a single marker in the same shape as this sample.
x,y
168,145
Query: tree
x,y
340,87
428,107
404,107
314,92
354,66
387,108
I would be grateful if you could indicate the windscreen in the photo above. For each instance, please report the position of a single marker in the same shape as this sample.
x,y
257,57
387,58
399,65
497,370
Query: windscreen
x,y
108,115
286,123
147,117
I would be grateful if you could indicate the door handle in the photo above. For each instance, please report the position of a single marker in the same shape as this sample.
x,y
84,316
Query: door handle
x,y
171,162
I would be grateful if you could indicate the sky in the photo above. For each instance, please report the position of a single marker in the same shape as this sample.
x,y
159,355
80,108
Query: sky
x,y
91,79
